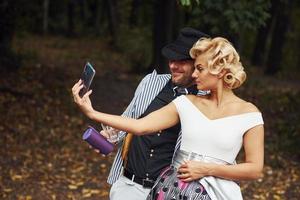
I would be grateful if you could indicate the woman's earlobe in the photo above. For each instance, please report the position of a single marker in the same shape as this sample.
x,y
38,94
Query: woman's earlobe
x,y
221,74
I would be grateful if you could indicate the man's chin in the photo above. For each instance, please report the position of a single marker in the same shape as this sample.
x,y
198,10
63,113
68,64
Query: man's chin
x,y
179,82
176,80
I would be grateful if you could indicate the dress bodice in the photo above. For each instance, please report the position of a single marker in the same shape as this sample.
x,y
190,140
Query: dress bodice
x,y
220,138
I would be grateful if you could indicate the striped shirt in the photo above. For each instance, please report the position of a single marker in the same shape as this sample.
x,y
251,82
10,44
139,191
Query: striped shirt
x,y
145,93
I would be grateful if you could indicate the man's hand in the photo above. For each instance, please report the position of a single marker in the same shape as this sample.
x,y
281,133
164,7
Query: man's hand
x,y
112,133
106,135
83,103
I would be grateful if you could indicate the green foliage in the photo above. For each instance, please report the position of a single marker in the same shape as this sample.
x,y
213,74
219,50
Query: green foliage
x,y
136,44
229,15
185,2
291,59
188,2
236,20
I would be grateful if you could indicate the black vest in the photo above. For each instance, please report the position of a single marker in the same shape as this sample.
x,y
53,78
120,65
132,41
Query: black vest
x,y
149,154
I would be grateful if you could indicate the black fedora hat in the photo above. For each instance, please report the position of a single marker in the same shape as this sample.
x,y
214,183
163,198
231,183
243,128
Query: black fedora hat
x,y
180,48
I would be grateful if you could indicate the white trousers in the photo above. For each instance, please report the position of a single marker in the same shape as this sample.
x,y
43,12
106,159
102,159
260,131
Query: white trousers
x,y
125,189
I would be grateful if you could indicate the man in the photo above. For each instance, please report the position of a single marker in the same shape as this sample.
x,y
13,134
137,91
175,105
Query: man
x,y
149,155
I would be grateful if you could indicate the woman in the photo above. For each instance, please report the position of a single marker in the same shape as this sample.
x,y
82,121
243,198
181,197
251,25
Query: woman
x,y
214,128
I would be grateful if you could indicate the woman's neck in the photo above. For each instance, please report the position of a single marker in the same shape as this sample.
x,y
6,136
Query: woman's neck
x,y
221,95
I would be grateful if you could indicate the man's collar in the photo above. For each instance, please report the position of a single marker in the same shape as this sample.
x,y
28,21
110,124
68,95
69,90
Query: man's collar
x,y
182,90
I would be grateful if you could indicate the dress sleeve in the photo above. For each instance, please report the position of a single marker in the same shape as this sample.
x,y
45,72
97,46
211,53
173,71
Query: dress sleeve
x,y
178,102
254,119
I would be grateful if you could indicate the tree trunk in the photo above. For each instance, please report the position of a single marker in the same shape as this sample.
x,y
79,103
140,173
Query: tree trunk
x,y
298,58
113,19
82,10
134,13
71,5
259,52
235,39
8,14
93,19
162,32
103,17
45,16
180,19
278,38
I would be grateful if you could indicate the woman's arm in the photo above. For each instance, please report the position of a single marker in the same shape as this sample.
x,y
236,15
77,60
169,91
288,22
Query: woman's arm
x,y
161,119
131,107
251,169
158,120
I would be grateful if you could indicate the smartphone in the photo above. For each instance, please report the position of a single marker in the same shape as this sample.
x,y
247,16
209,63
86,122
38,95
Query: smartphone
x,y
87,77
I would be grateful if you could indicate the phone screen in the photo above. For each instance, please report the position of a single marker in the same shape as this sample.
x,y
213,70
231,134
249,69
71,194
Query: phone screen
x,y
87,77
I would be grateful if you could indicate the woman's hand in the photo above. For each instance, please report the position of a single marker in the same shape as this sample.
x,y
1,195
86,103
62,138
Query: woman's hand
x,y
83,103
194,170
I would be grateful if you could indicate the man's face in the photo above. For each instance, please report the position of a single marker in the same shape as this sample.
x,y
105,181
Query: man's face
x,y
182,71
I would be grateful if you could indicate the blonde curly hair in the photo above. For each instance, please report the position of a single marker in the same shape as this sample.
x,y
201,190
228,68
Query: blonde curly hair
x,y
221,56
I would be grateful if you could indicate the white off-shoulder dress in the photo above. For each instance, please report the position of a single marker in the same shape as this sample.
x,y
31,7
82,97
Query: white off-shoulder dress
x,y
209,140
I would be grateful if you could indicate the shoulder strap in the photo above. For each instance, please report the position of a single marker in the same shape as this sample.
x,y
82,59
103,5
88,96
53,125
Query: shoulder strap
x,y
125,148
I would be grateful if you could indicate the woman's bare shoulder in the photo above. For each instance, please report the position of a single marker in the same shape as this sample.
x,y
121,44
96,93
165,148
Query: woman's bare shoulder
x,y
245,106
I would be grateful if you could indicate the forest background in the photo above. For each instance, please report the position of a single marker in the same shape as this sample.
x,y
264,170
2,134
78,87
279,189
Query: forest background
x,y
44,45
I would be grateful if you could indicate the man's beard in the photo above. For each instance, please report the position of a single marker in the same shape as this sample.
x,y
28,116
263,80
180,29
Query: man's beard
x,y
182,82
